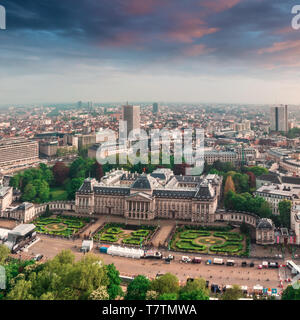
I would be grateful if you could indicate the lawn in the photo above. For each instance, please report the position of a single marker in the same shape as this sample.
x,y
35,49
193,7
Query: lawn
x,y
58,194
208,241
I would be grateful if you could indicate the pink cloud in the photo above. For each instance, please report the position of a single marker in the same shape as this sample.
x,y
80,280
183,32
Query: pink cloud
x,y
188,36
141,7
281,46
281,54
197,50
187,27
219,5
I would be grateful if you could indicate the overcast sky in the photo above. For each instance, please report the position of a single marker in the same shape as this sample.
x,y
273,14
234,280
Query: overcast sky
x,y
241,51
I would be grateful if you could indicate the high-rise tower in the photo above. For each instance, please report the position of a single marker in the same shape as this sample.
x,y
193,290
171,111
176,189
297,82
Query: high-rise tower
x,y
131,114
279,118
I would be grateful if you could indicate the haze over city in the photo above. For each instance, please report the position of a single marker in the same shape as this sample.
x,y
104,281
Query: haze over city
x,y
234,51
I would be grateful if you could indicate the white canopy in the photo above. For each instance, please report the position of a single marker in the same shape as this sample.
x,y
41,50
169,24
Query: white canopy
x,y
125,252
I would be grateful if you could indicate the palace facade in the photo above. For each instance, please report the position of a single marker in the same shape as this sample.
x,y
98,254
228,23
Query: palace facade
x,y
160,194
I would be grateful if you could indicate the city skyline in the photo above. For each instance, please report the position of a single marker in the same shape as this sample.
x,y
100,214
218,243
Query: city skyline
x,y
188,51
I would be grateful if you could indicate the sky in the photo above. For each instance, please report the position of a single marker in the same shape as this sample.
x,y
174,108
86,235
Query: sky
x,y
218,51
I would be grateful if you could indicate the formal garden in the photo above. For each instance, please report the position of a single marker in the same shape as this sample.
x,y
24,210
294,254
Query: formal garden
x,y
65,226
117,233
210,240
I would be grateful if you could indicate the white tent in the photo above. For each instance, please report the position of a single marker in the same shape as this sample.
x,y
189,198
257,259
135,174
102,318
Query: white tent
x,y
125,252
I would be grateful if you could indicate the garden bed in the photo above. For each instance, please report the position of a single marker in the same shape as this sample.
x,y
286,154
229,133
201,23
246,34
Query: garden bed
x,y
209,241
64,226
125,234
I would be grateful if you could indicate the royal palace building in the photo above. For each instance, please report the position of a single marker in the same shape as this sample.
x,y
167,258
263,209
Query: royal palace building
x,y
160,195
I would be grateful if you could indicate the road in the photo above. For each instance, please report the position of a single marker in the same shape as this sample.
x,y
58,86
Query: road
x,y
221,275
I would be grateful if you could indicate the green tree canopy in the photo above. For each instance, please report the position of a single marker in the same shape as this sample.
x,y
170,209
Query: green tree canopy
x,y
168,283
137,289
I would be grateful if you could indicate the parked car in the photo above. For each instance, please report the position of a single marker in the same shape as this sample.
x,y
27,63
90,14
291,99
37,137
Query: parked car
x,y
196,260
169,257
259,266
273,265
230,263
38,257
185,259
251,264
208,261
244,264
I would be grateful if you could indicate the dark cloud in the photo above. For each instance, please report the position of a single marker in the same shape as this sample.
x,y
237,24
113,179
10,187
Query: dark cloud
x,y
150,29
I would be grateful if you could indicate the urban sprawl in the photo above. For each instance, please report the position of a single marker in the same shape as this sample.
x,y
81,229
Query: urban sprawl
x,y
159,231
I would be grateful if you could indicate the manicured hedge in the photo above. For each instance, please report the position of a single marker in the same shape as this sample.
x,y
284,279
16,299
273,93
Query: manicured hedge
x,y
193,234
225,247
189,244
229,236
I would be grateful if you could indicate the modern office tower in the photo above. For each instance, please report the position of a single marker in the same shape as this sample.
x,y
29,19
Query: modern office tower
x,y
131,114
279,118
18,151
155,107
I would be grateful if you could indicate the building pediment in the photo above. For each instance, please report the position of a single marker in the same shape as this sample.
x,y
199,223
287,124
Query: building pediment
x,y
139,196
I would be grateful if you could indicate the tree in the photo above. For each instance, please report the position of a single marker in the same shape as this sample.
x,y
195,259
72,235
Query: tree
x,y
284,208
114,289
47,173
4,253
234,293
152,295
257,170
29,192
168,296
72,187
168,283
229,185
194,295
100,294
265,211
60,173
290,294
21,291
229,200
137,289
241,182
194,290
